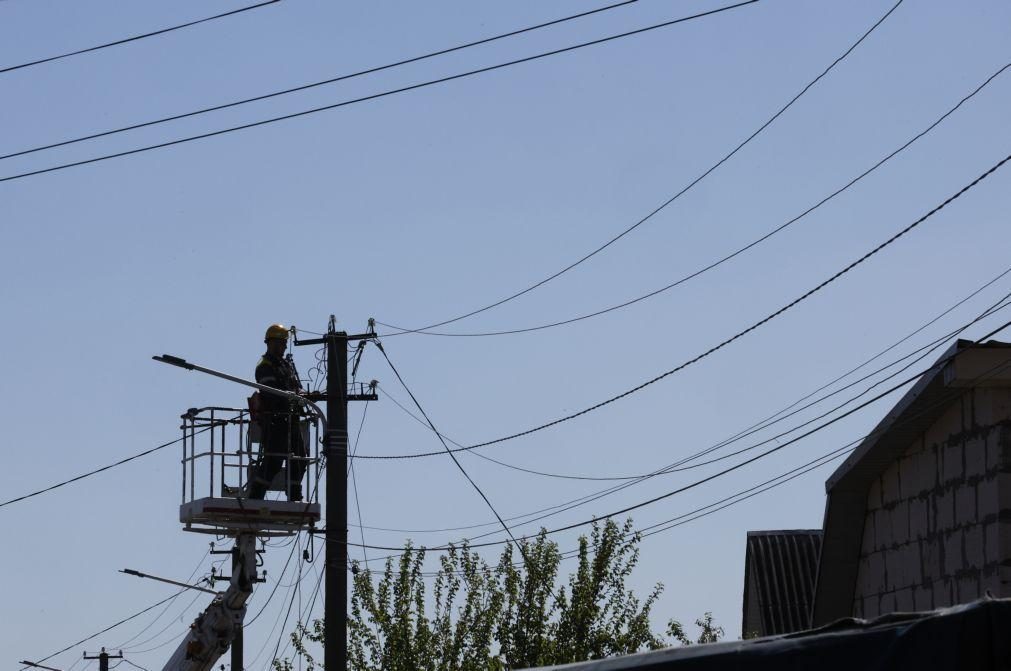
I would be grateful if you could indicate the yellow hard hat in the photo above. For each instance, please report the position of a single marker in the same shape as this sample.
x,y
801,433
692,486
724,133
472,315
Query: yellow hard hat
x,y
276,331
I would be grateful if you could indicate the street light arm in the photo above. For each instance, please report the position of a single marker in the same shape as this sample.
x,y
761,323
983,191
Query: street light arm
x,y
183,363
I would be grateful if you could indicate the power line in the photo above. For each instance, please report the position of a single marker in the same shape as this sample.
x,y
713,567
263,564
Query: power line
x,y
98,470
724,343
354,480
679,466
748,461
569,505
109,628
670,200
375,96
759,426
324,82
728,257
446,447
137,666
138,37
163,611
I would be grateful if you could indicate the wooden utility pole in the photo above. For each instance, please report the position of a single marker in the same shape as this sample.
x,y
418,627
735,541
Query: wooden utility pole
x,y
103,659
335,642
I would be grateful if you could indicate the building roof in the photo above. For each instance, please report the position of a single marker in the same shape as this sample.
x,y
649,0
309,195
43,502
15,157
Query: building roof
x,y
963,366
779,574
969,636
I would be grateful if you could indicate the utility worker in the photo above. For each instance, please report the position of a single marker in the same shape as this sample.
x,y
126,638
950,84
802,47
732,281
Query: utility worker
x,y
279,419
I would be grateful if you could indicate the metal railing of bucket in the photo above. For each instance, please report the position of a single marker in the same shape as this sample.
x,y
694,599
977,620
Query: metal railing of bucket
x,y
230,441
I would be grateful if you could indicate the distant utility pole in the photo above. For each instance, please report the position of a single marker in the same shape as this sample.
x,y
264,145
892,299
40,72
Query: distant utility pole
x,y
335,642
103,659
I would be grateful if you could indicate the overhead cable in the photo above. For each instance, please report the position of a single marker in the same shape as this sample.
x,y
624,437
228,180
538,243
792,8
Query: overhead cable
x,y
354,481
532,516
100,470
710,508
375,96
755,428
724,343
137,37
446,447
670,200
150,624
680,465
656,292
332,80
738,465
107,629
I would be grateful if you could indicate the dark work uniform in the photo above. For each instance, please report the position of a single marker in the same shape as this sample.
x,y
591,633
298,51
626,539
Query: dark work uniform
x,y
281,433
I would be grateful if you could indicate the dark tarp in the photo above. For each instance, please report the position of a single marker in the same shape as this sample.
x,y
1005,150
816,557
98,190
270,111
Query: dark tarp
x,y
972,636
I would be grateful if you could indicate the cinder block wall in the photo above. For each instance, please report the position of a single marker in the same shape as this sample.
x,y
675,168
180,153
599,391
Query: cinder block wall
x,y
938,526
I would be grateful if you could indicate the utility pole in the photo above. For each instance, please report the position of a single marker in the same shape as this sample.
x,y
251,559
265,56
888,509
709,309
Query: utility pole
x,y
335,643
103,659
236,644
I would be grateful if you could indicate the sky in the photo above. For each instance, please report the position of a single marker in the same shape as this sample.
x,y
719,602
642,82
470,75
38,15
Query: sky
x,y
422,206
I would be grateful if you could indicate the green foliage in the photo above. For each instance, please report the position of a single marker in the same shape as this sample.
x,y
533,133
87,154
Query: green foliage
x,y
513,616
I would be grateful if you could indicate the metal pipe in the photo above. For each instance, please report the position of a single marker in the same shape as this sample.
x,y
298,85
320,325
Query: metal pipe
x,y
183,363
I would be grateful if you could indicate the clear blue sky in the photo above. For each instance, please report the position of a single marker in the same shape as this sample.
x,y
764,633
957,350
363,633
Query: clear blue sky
x,y
418,207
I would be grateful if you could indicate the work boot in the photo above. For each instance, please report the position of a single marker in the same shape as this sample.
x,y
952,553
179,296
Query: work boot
x,y
295,494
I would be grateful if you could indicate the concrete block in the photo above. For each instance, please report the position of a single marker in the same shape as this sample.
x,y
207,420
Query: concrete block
x,y
899,519
863,577
904,600
871,606
953,552
968,588
991,543
994,451
943,594
890,492
918,519
908,478
973,540
1003,486
965,504
874,579
989,579
887,603
975,457
923,598
949,423
867,545
987,496
874,495
930,558
1004,541
895,572
882,529
917,474
952,468
1005,580
1004,448
944,511
912,563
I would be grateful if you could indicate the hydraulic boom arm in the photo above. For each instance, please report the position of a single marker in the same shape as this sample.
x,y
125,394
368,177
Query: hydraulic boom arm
x,y
212,632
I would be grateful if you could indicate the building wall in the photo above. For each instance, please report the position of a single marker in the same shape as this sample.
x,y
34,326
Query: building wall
x,y
938,525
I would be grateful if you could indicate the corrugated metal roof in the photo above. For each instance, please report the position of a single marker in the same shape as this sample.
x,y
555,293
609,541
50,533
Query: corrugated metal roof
x,y
779,576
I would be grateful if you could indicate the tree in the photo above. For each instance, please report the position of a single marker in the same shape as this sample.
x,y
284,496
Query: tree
x,y
513,616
